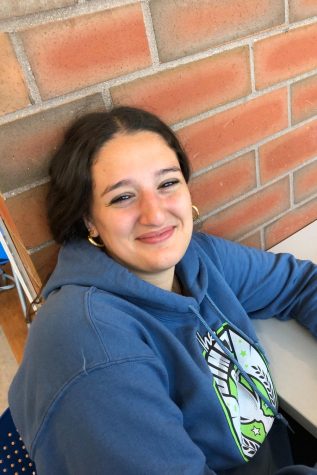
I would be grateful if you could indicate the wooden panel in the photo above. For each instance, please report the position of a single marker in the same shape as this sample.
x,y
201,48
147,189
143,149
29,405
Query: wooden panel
x,y
19,247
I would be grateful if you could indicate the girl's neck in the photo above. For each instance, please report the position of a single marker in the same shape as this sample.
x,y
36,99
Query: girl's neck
x,y
165,280
177,287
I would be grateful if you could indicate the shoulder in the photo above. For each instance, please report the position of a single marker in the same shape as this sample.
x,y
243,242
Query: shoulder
x,y
77,321
213,248
70,339
230,258
209,242
205,240
76,330
221,248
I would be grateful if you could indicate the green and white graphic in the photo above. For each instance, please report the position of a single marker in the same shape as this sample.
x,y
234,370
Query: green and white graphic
x,y
248,416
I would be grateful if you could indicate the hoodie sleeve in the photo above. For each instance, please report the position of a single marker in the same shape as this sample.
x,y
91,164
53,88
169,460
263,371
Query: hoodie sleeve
x,y
269,285
117,419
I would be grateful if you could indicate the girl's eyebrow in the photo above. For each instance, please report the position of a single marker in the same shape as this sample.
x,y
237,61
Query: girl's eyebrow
x,y
115,186
127,182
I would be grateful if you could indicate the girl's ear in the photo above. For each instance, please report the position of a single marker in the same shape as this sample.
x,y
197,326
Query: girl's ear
x,y
91,228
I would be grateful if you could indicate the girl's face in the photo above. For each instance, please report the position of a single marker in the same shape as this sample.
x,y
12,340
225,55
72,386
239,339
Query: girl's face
x,y
141,206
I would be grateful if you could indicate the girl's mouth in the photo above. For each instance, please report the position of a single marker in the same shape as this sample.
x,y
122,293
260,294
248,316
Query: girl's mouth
x,y
157,236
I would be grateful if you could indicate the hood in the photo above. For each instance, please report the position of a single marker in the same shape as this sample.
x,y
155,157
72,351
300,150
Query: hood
x,y
79,263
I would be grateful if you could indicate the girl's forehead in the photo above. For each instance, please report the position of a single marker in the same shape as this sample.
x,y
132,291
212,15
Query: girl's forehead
x,y
145,148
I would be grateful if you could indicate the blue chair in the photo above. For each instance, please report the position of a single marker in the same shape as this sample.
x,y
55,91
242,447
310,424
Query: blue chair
x,y
3,256
6,281
14,459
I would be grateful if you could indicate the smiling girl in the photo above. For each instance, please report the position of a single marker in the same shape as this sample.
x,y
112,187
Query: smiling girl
x,y
143,359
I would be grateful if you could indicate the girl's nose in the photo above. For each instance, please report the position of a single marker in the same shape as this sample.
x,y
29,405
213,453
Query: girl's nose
x,y
151,211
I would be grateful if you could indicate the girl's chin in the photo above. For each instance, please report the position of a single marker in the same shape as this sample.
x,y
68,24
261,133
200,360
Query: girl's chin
x,y
152,259
157,265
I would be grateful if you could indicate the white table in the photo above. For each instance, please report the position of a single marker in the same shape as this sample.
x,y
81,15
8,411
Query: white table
x,y
292,350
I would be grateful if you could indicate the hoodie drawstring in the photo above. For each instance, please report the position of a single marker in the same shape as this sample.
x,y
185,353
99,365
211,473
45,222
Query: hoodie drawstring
x,y
238,330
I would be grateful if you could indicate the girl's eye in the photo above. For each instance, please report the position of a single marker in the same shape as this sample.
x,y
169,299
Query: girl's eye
x,y
169,183
120,199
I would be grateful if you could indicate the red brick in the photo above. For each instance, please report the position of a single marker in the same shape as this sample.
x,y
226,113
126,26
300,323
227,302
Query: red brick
x,y
28,211
287,152
300,9
290,223
305,182
14,8
185,91
27,144
212,139
45,260
254,240
286,55
13,91
251,212
86,50
184,28
223,184
304,99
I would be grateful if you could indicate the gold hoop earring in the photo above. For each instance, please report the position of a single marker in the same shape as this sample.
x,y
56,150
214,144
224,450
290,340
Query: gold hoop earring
x,y
196,213
93,242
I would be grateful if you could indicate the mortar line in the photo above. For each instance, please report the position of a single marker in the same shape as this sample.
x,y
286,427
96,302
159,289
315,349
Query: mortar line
x,y
291,189
286,8
257,167
249,234
252,68
262,238
267,223
107,99
65,13
289,106
40,247
26,68
276,218
61,14
150,33
248,194
269,138
95,88
22,189
241,152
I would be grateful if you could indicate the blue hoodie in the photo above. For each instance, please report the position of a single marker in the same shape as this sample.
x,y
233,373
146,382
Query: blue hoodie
x,y
121,377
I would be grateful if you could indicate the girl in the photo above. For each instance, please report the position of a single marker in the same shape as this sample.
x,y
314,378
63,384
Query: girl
x,y
143,359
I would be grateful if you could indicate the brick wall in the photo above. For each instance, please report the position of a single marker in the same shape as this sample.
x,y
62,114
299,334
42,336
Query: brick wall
x,y
236,80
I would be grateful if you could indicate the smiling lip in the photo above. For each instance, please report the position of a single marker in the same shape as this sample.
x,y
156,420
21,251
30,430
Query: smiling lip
x,y
156,237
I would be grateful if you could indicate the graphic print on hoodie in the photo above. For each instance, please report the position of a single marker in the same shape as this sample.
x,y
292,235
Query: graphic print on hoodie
x,y
248,416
